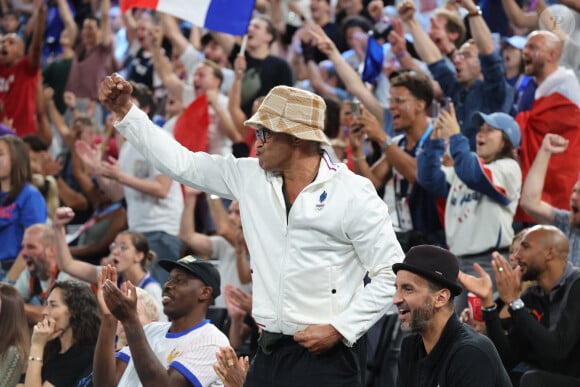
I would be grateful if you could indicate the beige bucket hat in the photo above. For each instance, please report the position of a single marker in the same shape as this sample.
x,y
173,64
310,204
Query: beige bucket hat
x,y
293,111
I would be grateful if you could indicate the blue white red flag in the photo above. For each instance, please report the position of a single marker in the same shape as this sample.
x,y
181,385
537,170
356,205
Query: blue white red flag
x,y
229,16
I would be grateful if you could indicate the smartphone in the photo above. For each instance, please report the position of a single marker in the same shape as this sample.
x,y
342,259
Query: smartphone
x,y
435,108
355,109
445,104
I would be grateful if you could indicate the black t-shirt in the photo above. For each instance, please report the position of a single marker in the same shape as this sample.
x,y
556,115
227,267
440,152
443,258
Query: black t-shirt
x,y
65,369
261,76
141,68
461,357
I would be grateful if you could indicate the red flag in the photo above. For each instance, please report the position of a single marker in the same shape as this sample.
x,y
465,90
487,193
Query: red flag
x,y
552,114
191,127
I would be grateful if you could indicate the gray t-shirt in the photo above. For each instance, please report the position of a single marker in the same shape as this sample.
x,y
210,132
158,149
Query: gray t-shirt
x,y
562,221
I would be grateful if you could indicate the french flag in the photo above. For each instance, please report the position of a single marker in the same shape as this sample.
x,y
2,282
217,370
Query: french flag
x,y
229,16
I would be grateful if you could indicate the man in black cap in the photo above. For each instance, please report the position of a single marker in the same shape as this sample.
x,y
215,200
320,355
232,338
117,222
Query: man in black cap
x,y
176,353
442,351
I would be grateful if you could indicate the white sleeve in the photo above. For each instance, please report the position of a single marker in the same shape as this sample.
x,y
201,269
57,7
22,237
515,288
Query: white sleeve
x,y
220,175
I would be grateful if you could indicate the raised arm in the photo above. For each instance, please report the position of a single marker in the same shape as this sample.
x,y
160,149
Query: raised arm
x,y
399,47
105,23
479,29
67,19
163,67
57,119
107,370
425,47
235,95
517,16
198,242
178,42
223,225
130,23
79,269
531,197
350,78
35,48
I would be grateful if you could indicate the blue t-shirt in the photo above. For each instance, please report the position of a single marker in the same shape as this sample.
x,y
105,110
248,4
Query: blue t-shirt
x,y
29,208
525,88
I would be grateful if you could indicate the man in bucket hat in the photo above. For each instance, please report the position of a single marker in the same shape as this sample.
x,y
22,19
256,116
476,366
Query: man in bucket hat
x,y
313,229
176,353
442,351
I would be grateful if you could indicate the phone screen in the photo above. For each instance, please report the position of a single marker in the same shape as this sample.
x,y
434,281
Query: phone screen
x,y
355,109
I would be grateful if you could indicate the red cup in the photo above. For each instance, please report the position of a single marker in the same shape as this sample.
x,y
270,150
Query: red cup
x,y
474,306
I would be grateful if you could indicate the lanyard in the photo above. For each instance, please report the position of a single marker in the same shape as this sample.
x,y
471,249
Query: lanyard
x,y
108,210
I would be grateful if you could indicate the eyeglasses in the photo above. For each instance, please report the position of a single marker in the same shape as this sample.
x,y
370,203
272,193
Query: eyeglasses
x,y
120,246
263,133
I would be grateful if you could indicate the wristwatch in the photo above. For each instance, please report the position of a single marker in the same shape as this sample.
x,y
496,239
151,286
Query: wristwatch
x,y
517,304
474,13
388,142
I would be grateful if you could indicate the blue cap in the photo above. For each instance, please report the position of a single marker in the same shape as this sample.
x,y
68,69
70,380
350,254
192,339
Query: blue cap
x,y
500,121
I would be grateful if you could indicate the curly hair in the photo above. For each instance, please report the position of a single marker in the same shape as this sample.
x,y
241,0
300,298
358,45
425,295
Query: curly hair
x,y
85,315
13,324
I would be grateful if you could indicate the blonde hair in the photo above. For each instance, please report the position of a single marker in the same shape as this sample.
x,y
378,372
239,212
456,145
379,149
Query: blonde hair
x,y
150,307
49,190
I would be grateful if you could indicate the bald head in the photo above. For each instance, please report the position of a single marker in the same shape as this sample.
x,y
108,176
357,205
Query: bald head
x,y
541,54
550,40
551,237
42,231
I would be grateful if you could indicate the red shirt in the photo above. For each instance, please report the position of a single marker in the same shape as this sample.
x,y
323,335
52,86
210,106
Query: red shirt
x,y
18,85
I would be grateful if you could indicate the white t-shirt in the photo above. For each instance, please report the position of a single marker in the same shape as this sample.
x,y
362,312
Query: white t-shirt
x,y
225,254
473,221
146,213
217,141
23,283
191,353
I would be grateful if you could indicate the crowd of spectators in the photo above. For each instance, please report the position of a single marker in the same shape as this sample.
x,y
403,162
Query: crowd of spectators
x,y
469,131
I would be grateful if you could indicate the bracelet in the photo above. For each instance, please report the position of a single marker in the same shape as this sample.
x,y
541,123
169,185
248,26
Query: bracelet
x,y
214,197
32,358
359,158
401,55
490,309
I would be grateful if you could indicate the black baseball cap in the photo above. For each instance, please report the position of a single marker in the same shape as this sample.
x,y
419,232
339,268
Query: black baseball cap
x,y
200,268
